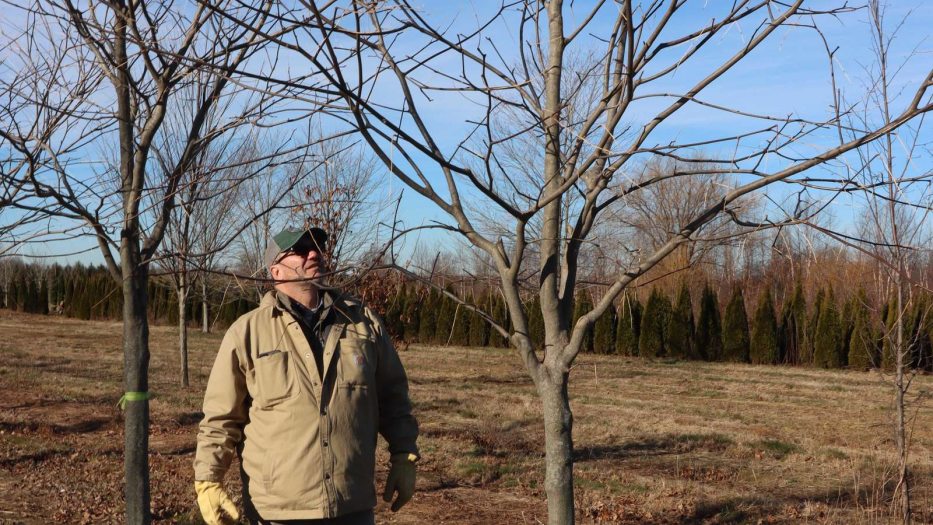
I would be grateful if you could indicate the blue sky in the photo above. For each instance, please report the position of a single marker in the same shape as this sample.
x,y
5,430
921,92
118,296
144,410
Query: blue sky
x,y
786,75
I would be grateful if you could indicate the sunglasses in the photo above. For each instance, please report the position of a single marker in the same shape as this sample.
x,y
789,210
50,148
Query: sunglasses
x,y
302,250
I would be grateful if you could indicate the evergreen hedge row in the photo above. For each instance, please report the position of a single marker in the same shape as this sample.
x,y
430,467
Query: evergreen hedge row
x,y
91,293
825,336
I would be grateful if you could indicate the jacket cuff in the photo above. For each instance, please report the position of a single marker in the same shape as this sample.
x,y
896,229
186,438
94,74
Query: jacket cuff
x,y
407,446
405,456
209,475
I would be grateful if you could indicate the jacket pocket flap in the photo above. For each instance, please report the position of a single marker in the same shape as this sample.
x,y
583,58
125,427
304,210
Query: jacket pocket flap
x,y
275,379
356,362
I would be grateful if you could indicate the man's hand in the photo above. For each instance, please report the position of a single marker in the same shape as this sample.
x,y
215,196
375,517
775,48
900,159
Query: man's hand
x,y
401,479
212,499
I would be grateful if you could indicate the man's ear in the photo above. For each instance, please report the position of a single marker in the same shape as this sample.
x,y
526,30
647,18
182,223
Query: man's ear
x,y
274,271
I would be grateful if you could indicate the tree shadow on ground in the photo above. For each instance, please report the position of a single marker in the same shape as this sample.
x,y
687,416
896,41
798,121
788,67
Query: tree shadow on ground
x,y
438,404
106,401
80,427
483,379
786,507
491,438
33,457
71,368
654,446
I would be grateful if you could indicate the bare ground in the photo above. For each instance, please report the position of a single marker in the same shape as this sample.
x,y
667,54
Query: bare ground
x,y
656,442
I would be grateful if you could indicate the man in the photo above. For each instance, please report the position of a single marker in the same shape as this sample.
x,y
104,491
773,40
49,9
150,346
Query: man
x,y
299,389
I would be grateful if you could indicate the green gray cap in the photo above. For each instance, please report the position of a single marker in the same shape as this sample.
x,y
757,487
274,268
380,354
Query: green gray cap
x,y
288,239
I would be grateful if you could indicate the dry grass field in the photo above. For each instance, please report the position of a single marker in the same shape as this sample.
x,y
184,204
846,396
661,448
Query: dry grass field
x,y
656,442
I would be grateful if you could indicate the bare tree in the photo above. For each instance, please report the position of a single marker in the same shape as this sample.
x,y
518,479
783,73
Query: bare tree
x,y
648,218
893,230
264,205
213,218
201,220
589,147
10,268
89,78
342,199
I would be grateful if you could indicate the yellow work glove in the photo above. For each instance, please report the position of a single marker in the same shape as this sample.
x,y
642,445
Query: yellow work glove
x,y
211,500
401,479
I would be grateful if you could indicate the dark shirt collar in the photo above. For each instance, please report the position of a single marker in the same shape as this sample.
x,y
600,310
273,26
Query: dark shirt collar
x,y
309,316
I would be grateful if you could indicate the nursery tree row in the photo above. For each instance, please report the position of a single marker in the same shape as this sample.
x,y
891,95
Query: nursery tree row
x,y
89,292
825,332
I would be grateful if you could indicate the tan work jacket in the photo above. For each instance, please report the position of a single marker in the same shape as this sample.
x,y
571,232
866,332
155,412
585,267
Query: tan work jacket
x,y
307,445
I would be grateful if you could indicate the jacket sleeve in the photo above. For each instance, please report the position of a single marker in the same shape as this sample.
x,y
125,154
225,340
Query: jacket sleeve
x,y
225,412
396,422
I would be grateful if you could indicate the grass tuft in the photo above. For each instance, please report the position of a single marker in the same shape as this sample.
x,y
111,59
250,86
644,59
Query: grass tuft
x,y
775,448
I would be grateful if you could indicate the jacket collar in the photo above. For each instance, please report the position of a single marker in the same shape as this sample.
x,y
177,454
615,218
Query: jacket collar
x,y
279,302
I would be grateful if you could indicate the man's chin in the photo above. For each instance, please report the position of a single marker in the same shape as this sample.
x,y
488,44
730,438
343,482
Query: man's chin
x,y
311,278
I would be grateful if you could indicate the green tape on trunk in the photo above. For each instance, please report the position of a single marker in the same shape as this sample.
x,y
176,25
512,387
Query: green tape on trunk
x,y
132,396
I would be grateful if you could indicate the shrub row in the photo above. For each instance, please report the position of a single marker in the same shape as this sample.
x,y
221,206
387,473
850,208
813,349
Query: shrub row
x,y
90,292
825,334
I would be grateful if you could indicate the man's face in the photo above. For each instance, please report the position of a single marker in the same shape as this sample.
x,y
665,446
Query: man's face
x,y
302,263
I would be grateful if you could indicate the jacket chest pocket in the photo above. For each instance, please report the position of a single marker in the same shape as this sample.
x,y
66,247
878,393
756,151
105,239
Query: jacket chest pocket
x,y
275,378
356,363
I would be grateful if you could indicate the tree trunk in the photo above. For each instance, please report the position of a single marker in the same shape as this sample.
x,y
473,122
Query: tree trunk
x,y
558,447
182,292
136,379
903,340
903,471
902,352
205,326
